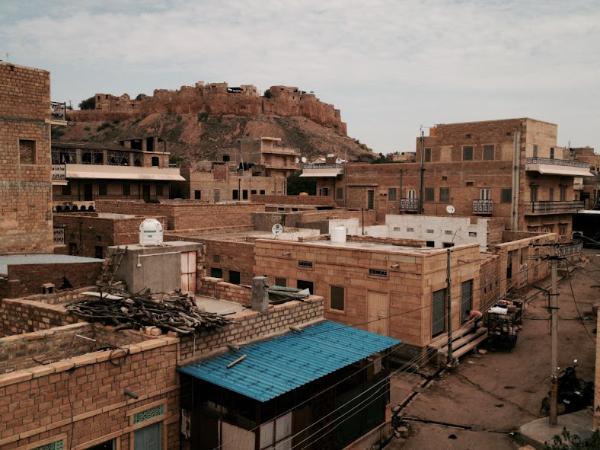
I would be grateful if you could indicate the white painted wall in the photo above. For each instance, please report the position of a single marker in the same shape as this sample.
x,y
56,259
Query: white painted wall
x,y
352,225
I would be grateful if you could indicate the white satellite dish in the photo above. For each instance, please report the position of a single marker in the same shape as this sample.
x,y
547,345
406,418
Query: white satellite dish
x,y
277,229
303,159
450,209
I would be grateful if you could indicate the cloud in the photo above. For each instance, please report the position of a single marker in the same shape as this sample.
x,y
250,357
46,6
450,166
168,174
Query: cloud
x,y
389,65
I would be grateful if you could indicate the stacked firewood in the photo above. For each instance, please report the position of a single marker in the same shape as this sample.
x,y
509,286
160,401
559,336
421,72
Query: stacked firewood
x,y
171,313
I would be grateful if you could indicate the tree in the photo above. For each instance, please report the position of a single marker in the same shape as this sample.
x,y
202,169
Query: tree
x,y
572,441
88,103
296,185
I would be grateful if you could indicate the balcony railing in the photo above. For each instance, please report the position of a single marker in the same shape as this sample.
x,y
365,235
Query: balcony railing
x,y
557,162
550,207
409,204
59,172
59,236
58,111
483,206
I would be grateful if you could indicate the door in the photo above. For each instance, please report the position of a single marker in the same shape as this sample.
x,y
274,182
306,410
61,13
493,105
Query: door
x,y
188,272
146,192
370,199
88,195
148,438
438,312
378,306
466,300
485,194
411,194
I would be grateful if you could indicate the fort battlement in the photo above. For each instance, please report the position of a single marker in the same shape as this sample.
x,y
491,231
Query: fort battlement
x,y
216,99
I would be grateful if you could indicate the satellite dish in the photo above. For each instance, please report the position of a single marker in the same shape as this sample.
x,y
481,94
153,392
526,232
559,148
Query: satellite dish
x,y
450,209
277,229
303,159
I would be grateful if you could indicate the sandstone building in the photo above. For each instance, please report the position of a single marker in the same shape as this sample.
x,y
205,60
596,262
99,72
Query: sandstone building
x,y
25,165
588,187
83,172
512,169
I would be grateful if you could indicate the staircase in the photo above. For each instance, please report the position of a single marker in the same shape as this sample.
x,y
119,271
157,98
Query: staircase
x,y
464,340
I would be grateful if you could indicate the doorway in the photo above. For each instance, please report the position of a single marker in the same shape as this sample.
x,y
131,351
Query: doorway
x,y
146,192
148,438
370,199
88,194
378,311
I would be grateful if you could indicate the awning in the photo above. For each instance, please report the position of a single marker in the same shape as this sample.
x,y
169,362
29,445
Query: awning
x,y
106,172
321,173
555,169
276,366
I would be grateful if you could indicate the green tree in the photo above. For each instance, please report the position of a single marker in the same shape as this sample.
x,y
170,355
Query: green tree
x,y
296,185
88,103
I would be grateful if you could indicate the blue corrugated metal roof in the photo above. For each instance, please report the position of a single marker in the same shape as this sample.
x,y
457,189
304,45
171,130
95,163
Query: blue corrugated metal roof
x,y
276,366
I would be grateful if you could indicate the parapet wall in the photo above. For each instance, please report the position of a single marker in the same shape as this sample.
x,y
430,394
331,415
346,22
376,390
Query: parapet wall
x,y
216,99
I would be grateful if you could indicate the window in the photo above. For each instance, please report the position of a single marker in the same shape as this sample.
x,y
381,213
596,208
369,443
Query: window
x,y
245,194
276,434
253,192
155,161
466,303
216,272
281,282
324,191
102,189
430,243
551,152
488,152
126,189
226,158
429,194
66,189
302,284
563,193
235,194
337,298
262,192
469,183
234,277
468,153
506,195
370,199
392,194
27,151
99,252
449,232
197,195
429,231
485,194
55,445
535,151
438,312
533,193
108,445
444,195
427,155
159,190
86,158
382,273
305,264
472,233
339,193
448,244
409,229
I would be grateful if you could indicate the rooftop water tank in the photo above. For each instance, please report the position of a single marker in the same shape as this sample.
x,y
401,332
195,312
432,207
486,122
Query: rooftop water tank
x,y
151,232
338,235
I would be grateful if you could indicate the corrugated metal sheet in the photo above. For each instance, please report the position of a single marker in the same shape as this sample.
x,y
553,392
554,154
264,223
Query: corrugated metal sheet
x,y
276,366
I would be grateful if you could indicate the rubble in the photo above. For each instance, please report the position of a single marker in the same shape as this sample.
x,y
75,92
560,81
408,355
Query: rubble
x,y
172,313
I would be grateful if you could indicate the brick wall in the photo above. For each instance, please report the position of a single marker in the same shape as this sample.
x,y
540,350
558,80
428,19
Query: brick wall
x,y
83,400
26,315
217,288
86,232
186,215
390,241
312,200
489,285
25,184
27,279
252,325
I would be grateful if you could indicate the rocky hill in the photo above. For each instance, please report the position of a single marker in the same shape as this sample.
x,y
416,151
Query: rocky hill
x,y
196,122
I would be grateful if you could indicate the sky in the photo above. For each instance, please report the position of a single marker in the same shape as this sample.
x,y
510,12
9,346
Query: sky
x,y
390,66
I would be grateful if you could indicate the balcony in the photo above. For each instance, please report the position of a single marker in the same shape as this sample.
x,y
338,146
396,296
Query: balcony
x,y
564,167
551,207
483,206
322,170
59,174
58,113
59,236
409,204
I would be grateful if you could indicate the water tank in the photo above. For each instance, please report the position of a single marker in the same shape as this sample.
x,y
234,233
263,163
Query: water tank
x,y
151,232
338,235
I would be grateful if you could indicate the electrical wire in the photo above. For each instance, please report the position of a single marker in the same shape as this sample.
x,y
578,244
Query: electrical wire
x,y
577,306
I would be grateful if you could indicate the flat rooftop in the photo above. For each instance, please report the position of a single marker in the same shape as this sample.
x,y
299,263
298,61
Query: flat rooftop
x,y
289,234
378,246
41,258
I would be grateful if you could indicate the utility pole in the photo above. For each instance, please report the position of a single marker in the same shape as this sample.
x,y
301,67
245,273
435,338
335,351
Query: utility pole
x,y
554,325
449,305
422,172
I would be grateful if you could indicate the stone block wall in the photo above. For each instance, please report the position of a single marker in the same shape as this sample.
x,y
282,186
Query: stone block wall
x,y
25,175
217,288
